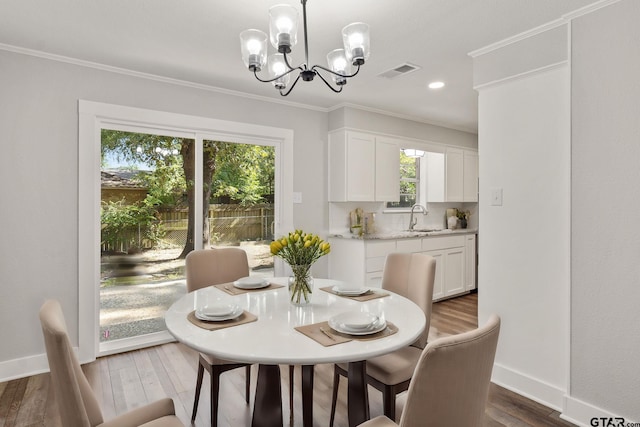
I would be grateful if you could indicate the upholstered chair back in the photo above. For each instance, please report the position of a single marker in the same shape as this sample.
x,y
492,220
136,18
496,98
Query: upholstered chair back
x,y
75,399
412,275
206,267
451,380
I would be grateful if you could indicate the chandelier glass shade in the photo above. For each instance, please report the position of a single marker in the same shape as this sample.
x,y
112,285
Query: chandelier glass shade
x,y
283,34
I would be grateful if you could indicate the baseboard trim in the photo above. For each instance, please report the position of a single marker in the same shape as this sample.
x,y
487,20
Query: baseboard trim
x,y
580,413
529,387
134,343
23,367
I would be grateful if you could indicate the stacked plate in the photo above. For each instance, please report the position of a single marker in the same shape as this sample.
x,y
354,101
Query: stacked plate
x,y
357,323
350,292
218,312
251,282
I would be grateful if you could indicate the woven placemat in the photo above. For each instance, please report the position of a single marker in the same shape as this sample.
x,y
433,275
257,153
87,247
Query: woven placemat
x,y
245,317
232,290
371,294
332,337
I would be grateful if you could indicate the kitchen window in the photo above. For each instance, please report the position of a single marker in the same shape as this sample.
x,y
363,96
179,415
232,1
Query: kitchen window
x,y
410,163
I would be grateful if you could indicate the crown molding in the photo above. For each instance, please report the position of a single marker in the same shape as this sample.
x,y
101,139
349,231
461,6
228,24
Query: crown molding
x,y
588,9
565,19
465,129
216,89
518,37
522,75
154,77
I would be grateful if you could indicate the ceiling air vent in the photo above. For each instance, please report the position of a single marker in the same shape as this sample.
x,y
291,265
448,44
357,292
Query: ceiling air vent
x,y
400,70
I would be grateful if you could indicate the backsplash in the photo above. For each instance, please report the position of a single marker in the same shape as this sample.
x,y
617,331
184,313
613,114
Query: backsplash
x,y
395,221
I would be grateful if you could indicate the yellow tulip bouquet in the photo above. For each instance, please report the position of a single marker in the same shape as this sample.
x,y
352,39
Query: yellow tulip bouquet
x,y
300,250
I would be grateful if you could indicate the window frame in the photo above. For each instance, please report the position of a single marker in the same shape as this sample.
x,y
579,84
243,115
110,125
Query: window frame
x,y
92,117
419,180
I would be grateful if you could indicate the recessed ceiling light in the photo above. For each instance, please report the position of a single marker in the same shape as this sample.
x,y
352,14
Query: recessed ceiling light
x,y
436,85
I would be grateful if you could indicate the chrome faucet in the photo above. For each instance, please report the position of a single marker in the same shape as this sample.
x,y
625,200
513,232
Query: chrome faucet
x,y
413,221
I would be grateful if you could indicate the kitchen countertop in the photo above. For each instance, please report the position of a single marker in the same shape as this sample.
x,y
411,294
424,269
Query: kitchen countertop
x,y
405,234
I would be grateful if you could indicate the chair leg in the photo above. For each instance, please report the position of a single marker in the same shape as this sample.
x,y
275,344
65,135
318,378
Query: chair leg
x,y
247,390
389,402
215,390
291,373
334,397
198,386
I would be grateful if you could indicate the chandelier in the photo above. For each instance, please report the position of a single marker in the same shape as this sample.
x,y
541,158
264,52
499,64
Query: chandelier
x,y
283,29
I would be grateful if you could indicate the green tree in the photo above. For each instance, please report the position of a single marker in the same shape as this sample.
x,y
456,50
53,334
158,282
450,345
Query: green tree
x,y
243,172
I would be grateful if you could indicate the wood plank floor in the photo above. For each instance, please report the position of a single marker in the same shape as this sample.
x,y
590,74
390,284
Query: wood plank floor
x,y
128,380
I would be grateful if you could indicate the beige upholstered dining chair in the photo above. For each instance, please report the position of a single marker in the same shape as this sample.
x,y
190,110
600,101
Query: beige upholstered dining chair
x,y
451,382
410,275
76,401
206,267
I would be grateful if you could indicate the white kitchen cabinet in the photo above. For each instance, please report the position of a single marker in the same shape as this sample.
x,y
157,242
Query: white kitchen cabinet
x,y
454,271
470,262
470,176
452,176
359,261
363,167
450,264
362,261
387,173
438,282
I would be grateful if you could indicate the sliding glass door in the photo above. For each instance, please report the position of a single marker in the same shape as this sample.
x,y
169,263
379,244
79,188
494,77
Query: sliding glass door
x,y
149,222
153,186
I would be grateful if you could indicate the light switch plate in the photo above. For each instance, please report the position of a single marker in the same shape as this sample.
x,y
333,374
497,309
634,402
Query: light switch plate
x,y
496,197
297,197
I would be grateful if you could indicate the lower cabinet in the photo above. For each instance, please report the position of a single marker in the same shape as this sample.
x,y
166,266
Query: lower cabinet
x,y
439,281
449,252
362,261
471,262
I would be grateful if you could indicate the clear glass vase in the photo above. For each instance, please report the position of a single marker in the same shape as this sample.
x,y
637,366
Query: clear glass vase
x,y
300,284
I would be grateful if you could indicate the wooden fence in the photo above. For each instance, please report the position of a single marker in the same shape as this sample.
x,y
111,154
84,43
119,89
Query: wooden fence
x,y
227,223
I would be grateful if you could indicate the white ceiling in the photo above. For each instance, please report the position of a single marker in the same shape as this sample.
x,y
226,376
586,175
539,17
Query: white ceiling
x,y
197,41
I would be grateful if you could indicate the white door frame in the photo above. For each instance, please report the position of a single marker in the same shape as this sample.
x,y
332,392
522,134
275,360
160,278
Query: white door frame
x,y
92,117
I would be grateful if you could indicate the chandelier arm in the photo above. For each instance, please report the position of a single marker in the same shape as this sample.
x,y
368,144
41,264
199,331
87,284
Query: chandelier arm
x,y
301,67
292,86
334,73
255,73
329,84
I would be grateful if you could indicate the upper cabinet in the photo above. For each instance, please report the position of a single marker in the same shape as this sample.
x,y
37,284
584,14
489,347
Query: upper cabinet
x,y
452,176
363,167
387,170
470,176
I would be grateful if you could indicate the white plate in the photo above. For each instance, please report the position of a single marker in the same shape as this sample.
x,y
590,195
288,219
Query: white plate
x,y
251,282
357,323
350,292
237,311
217,310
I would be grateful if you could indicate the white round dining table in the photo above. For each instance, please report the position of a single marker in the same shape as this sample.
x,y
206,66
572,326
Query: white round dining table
x,y
272,340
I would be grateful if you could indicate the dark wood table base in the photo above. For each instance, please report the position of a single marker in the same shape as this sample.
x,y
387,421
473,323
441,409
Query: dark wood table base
x,y
357,396
267,409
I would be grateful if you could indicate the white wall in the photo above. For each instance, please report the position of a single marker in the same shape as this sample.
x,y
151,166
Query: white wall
x,y
523,252
523,266
39,175
605,237
355,118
